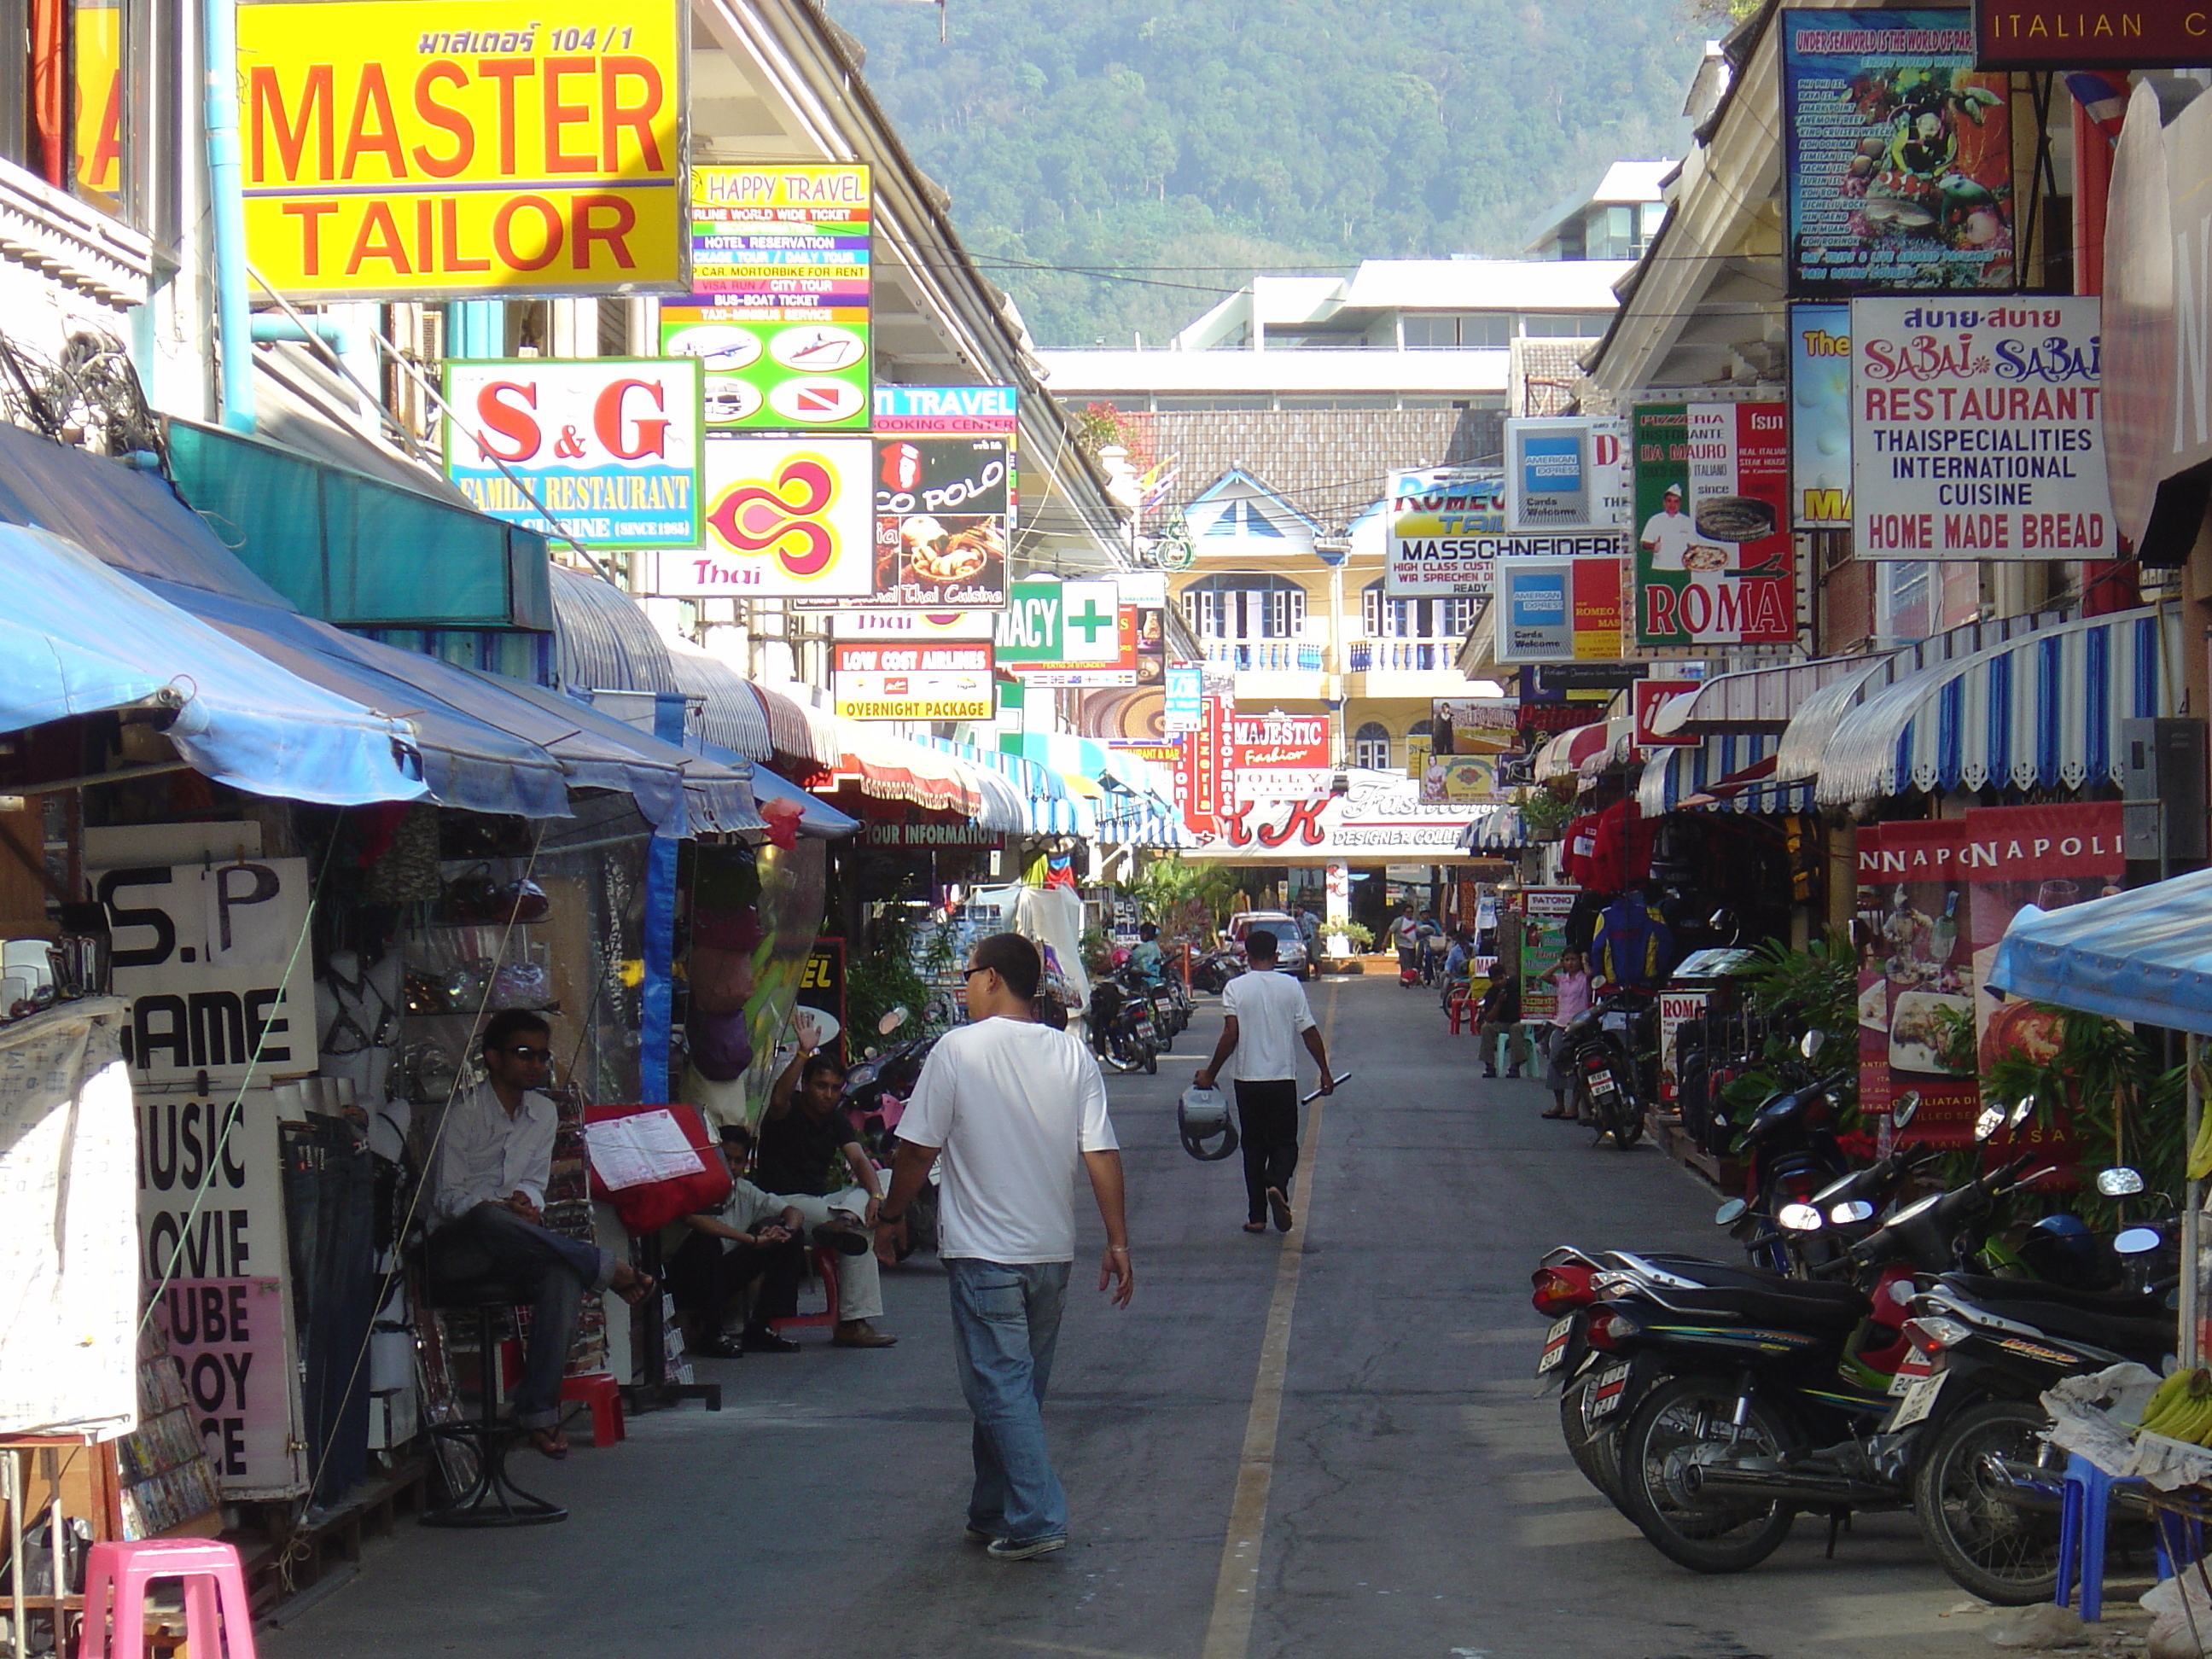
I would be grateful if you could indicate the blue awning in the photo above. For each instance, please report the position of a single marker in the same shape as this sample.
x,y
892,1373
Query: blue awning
x,y
603,752
1709,775
817,817
78,637
2144,955
467,762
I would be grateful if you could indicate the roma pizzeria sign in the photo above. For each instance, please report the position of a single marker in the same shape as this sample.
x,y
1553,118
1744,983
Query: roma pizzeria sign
x,y
2071,35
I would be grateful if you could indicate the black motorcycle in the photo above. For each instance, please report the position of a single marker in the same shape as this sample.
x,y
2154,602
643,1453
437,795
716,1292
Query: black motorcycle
x,y
1613,1059
1122,1030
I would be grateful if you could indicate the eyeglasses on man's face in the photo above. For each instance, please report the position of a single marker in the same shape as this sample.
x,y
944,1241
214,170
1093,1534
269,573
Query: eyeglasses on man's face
x,y
529,1056
970,973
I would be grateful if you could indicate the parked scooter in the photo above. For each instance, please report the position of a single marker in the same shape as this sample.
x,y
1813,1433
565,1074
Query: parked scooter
x,y
1122,1030
874,1100
1215,969
1612,1060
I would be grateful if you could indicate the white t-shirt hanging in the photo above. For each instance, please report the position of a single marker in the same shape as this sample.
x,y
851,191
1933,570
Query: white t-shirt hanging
x,y
1014,1105
1270,1014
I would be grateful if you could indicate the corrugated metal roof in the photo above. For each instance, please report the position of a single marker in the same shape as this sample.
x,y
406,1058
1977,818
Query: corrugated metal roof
x,y
605,640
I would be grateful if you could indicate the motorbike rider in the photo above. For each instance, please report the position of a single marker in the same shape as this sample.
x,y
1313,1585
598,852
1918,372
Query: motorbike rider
x,y
1148,959
1570,983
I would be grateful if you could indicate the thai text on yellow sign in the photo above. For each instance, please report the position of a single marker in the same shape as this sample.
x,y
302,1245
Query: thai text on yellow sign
x,y
537,150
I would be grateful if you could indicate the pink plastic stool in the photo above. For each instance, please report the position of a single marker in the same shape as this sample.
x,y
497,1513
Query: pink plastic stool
x,y
599,1390
115,1580
825,1263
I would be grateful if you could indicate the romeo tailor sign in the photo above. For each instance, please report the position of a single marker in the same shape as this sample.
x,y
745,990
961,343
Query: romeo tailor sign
x,y
786,517
1438,517
390,156
608,447
1976,430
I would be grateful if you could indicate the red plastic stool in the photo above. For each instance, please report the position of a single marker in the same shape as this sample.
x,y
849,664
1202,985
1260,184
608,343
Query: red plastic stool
x,y
599,1390
217,1623
825,1263
1459,1006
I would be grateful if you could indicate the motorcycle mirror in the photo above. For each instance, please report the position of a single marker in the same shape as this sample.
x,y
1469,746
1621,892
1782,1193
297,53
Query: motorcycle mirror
x,y
870,1053
1991,1119
892,1019
1730,1213
1905,1109
2020,1110
1799,1218
2137,1241
1812,1042
1852,1210
2119,1182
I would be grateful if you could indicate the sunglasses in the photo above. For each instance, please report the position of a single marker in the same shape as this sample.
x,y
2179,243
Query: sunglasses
x,y
970,973
523,1052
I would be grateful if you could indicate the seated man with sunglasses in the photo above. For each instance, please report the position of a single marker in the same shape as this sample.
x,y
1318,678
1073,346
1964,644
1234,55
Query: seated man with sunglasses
x,y
488,1175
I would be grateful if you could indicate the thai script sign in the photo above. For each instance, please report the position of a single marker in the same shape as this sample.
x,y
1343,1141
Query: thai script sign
x,y
538,151
1976,430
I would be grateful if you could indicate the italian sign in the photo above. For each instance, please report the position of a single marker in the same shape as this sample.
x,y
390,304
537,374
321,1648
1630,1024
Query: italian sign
x,y
1559,610
786,518
947,409
2070,34
1976,430
210,956
941,523
1820,417
1898,159
1279,757
779,306
608,446
1650,696
912,625
1714,560
1444,525
950,681
389,155
1567,472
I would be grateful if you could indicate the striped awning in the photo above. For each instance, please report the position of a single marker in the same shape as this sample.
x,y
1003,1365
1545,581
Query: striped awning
x,y
887,768
1751,699
2040,710
1730,772
730,715
799,734
1048,808
1565,755
1497,829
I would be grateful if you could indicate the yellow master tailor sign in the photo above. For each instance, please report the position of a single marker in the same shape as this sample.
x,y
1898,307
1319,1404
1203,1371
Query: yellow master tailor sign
x,y
412,149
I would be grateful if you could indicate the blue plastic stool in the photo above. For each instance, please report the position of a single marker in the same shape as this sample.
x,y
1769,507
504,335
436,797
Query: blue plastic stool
x,y
2083,1510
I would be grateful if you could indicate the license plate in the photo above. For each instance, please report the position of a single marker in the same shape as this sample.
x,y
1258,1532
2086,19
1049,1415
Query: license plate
x,y
1606,1390
1555,1345
1601,1080
1919,1399
1915,1366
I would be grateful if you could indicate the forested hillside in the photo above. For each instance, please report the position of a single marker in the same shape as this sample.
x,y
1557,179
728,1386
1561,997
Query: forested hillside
x,y
1155,136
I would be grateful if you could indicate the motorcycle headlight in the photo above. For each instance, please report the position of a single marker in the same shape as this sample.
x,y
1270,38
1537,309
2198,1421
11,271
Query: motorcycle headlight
x,y
1799,1218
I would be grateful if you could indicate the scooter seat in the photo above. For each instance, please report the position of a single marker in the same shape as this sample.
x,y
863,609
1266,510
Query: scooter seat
x,y
1762,1298
2117,1305
2140,1326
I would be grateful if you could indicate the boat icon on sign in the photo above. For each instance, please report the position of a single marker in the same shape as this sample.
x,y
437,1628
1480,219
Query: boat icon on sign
x,y
816,349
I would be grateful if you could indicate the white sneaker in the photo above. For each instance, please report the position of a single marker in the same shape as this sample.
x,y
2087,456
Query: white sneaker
x,y
1021,1549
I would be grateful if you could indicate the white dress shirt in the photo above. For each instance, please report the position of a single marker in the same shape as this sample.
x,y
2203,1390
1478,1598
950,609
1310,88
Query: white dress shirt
x,y
484,1155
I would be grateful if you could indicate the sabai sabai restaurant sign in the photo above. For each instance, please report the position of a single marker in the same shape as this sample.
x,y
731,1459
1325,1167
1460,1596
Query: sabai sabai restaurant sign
x,y
1976,430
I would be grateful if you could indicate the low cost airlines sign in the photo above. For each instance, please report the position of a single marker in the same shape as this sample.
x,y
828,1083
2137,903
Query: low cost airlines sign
x,y
390,154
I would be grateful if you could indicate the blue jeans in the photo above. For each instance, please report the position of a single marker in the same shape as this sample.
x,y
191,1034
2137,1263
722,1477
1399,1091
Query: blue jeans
x,y
1005,1323
492,1240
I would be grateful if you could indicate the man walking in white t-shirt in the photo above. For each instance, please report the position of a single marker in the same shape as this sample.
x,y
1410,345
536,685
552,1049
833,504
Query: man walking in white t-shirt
x,y
1012,1108
1267,1017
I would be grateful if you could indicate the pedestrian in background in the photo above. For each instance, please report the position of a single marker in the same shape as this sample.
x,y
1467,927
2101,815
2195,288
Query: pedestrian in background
x,y
1265,1018
1013,1109
1570,980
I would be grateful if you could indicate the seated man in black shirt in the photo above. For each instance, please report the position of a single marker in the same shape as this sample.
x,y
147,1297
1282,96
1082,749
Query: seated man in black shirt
x,y
807,1147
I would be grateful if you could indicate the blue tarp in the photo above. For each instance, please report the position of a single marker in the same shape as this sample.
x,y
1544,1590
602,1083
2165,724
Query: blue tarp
x,y
78,637
721,797
2144,955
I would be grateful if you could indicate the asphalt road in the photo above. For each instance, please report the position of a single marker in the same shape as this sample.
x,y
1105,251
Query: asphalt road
x,y
1319,1447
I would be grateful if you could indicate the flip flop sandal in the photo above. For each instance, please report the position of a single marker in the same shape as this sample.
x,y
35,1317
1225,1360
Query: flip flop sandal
x,y
549,1443
639,1288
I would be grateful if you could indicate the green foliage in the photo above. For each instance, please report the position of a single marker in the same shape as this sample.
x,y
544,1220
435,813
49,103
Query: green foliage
x,y
1544,813
1358,933
1152,158
2106,1085
1815,989
1183,898
1098,951
895,972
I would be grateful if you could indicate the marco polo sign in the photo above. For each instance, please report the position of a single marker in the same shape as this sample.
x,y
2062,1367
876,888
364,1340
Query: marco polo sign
x,y
2072,34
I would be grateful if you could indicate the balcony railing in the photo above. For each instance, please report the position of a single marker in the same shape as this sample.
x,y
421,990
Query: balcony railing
x,y
1264,656
1371,656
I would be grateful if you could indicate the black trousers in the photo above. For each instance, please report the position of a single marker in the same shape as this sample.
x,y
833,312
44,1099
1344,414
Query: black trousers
x,y
1268,1121
703,1276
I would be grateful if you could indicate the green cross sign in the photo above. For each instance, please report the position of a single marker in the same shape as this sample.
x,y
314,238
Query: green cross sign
x,y
1091,620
